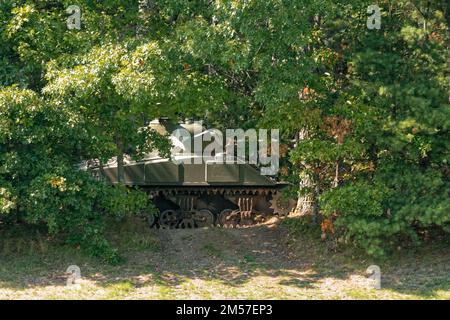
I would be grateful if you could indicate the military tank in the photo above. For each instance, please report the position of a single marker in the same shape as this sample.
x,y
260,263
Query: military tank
x,y
200,194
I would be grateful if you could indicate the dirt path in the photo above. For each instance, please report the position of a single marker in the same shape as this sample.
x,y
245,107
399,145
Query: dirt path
x,y
233,259
262,245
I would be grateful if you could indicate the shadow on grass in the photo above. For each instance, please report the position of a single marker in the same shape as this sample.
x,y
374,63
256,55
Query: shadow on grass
x,y
229,258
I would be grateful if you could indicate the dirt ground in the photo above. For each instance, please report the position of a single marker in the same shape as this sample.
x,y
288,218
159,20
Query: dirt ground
x,y
263,262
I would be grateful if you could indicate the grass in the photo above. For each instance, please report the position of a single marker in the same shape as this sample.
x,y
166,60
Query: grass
x,y
211,250
119,290
265,262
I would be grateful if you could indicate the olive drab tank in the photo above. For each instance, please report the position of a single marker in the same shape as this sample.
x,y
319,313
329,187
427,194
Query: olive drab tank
x,y
200,193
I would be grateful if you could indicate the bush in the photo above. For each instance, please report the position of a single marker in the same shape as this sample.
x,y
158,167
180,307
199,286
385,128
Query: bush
x,y
402,204
40,183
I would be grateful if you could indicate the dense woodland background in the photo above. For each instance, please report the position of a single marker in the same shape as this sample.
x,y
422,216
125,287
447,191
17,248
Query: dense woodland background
x,y
364,114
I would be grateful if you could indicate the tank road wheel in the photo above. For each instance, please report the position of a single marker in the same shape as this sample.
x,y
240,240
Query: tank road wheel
x,y
169,219
186,223
151,219
203,218
280,205
229,218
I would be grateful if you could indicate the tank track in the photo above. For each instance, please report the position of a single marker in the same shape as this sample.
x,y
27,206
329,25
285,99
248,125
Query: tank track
x,y
196,207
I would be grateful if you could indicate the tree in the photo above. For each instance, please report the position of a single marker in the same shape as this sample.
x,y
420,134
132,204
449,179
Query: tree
x,y
40,182
394,146
43,140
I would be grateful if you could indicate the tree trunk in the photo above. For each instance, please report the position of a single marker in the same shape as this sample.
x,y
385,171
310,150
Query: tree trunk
x,y
102,170
120,170
305,201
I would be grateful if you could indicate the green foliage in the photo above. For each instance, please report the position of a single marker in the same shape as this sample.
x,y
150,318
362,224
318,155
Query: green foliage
x,y
7,202
387,181
374,103
39,160
358,215
402,204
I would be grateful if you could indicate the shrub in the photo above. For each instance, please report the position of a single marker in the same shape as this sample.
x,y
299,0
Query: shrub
x,y
40,183
403,203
